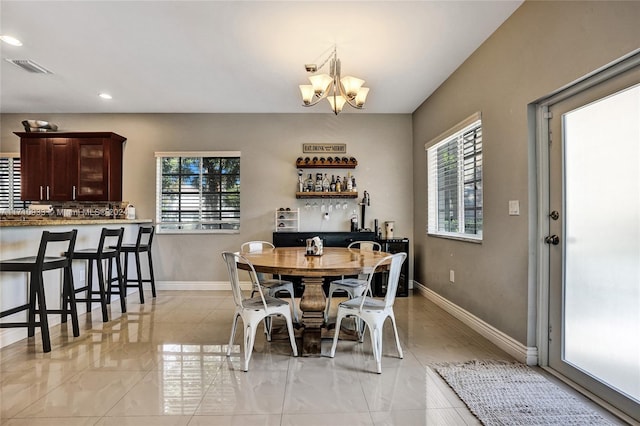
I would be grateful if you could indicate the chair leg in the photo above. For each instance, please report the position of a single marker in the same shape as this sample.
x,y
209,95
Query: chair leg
x,y
267,327
234,326
336,334
249,340
42,309
395,332
139,271
328,307
376,343
293,306
292,337
151,277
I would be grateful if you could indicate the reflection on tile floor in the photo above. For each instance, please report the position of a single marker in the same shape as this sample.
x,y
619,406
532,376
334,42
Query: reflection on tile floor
x,y
164,363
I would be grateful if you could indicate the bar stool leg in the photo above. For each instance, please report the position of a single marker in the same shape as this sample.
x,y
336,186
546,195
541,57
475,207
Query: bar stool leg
x,y
139,270
101,292
71,299
31,319
121,284
42,310
89,284
152,279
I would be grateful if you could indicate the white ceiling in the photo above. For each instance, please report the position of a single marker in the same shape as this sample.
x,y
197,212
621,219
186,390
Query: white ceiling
x,y
232,56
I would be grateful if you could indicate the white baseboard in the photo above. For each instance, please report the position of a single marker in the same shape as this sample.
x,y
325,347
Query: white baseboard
x,y
525,354
199,285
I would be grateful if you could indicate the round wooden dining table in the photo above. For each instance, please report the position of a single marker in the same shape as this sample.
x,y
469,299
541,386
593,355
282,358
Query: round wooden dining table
x,y
294,261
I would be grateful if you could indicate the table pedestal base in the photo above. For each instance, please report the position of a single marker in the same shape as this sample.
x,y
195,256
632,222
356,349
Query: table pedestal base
x,y
312,306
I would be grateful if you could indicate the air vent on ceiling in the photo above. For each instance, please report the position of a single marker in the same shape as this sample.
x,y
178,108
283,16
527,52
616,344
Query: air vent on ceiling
x,y
29,65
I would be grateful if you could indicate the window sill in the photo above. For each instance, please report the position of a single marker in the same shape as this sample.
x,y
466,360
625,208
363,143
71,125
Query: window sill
x,y
457,237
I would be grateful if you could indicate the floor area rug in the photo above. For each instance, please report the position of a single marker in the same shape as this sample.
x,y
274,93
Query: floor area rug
x,y
504,393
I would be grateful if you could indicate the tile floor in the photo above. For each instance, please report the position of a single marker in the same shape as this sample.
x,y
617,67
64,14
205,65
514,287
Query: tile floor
x,y
164,363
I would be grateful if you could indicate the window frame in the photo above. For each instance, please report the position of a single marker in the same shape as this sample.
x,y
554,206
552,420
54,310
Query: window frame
x,y
456,135
194,227
13,185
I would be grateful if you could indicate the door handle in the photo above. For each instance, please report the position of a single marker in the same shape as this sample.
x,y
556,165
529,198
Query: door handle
x,y
47,192
40,192
74,193
552,239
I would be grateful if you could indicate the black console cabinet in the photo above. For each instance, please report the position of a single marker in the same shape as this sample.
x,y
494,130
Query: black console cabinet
x,y
329,239
393,246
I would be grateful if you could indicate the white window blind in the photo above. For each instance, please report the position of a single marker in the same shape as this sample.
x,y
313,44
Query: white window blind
x,y
198,192
454,174
10,184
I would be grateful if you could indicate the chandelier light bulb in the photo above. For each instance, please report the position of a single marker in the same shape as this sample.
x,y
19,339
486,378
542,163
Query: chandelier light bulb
x,y
307,93
320,83
351,85
361,97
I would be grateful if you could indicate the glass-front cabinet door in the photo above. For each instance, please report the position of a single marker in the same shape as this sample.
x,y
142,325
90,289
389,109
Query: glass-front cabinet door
x,y
92,170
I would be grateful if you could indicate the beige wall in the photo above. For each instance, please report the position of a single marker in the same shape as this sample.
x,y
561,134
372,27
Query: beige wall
x,y
542,47
270,144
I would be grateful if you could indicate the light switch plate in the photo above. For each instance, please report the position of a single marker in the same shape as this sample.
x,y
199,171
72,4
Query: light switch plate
x,y
514,207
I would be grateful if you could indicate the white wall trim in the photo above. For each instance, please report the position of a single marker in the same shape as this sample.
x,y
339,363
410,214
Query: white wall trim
x,y
522,353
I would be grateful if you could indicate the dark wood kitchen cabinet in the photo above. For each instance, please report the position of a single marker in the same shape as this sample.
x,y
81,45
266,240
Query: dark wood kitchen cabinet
x,y
71,166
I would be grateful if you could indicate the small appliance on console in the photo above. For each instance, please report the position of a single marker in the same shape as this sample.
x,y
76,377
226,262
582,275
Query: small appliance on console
x,y
314,246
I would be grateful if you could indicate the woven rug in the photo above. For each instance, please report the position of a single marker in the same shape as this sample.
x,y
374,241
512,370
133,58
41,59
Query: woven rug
x,y
503,393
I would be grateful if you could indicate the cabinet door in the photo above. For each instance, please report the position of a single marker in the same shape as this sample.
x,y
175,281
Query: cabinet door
x,y
61,169
33,170
92,170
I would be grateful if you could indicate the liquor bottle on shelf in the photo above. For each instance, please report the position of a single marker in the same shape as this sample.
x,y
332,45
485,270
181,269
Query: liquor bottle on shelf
x,y
326,184
308,186
318,185
332,185
354,188
338,185
349,183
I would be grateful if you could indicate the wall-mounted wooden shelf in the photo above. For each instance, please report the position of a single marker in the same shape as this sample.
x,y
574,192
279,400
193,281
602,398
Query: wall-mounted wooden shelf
x,y
326,194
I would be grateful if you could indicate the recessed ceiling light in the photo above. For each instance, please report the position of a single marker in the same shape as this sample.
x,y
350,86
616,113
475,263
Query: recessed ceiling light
x,y
105,96
10,40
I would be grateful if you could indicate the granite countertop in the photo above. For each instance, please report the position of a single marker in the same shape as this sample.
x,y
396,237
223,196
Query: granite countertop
x,y
62,221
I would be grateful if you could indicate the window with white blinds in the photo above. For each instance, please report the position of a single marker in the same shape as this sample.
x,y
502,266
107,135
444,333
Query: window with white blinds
x,y
10,184
454,181
198,192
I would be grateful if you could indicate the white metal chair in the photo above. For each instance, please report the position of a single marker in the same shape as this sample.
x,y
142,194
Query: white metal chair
x,y
353,286
253,310
272,285
374,312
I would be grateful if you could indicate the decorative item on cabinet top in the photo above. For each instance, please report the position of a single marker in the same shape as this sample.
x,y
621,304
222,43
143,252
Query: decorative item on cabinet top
x,y
327,162
287,219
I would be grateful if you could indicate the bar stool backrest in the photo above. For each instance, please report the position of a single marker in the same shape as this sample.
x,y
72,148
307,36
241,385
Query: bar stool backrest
x,y
366,245
110,238
56,237
145,237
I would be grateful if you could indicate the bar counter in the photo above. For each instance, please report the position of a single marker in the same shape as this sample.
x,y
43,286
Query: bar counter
x,y
21,238
69,221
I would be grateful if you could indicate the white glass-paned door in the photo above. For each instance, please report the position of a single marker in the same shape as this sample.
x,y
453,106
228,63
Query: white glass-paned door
x,y
602,240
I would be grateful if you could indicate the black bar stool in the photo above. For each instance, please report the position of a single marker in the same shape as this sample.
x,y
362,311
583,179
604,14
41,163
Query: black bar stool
x,y
143,244
104,251
35,266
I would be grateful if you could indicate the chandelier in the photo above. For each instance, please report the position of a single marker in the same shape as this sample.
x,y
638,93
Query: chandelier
x,y
335,89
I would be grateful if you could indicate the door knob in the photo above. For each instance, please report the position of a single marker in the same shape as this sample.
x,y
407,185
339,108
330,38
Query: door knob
x,y
554,215
552,239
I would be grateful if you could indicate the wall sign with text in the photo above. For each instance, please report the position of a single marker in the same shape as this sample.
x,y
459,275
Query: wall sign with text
x,y
320,148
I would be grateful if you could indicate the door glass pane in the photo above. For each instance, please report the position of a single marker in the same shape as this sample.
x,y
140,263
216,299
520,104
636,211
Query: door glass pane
x,y
602,235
